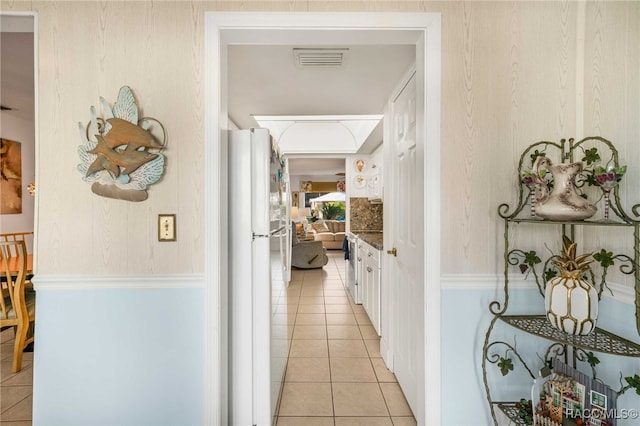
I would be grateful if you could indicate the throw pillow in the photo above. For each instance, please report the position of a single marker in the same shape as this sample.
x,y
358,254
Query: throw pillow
x,y
320,226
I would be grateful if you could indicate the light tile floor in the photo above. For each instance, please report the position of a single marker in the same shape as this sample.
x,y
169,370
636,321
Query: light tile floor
x,y
16,396
335,375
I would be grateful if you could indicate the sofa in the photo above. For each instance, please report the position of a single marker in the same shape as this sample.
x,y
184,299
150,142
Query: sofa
x,y
330,232
307,254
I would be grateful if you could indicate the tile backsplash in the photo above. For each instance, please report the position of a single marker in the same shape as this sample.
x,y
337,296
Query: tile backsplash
x,y
364,216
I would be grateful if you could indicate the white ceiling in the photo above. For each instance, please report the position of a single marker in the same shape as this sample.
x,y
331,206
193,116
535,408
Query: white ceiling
x,y
264,80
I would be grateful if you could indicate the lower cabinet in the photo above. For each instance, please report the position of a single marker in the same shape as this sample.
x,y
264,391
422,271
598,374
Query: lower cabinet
x,y
370,282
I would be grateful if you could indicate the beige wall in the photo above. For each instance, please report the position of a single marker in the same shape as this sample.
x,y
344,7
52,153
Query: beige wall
x,y
513,73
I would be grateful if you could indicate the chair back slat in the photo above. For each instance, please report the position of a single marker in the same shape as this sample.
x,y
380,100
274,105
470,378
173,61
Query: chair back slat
x,y
27,237
18,307
6,285
13,260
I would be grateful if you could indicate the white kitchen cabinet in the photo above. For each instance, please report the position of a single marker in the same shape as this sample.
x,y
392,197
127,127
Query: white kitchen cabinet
x,y
370,262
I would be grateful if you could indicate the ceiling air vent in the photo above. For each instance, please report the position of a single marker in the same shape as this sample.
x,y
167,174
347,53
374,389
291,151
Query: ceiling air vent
x,y
319,57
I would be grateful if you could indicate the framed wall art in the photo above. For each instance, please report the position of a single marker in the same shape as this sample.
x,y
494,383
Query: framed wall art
x,y
10,177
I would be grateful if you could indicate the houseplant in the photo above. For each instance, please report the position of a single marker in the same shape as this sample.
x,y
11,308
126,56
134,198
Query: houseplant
x,y
333,210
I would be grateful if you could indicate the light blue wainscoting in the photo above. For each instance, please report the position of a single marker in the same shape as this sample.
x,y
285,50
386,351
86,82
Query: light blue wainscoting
x,y
121,355
465,318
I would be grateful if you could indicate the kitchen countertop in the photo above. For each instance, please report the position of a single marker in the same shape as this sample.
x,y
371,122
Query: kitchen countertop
x,y
372,238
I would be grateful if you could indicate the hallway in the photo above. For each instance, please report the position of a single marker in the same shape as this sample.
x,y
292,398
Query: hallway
x,y
335,375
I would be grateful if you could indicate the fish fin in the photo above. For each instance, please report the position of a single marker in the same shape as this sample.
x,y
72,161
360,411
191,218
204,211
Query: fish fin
x,y
101,142
96,166
113,168
102,163
134,167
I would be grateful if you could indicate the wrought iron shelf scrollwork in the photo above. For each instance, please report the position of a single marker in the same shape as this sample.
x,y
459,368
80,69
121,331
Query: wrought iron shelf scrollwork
x,y
567,223
599,340
594,152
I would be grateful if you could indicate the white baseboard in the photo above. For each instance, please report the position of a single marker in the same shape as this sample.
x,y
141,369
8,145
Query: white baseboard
x,y
94,282
621,293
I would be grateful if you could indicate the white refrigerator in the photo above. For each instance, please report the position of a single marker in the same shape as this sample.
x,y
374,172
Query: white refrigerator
x,y
259,271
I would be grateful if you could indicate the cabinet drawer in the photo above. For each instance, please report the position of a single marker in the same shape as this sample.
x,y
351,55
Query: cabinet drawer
x,y
371,254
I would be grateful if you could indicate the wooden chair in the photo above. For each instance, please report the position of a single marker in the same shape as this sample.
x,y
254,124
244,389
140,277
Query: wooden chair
x,y
27,237
17,306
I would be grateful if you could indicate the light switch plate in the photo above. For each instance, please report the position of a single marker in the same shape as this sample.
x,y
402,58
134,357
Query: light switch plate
x,y
166,227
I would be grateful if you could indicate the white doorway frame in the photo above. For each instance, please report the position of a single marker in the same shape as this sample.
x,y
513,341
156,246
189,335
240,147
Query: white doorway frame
x,y
220,29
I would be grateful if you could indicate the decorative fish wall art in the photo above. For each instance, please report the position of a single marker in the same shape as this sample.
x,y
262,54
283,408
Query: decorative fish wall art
x,y
124,156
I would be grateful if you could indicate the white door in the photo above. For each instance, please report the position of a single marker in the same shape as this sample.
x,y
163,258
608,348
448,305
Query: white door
x,y
406,285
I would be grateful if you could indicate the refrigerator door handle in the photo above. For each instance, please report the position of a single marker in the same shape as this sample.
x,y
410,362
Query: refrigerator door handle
x,y
270,234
